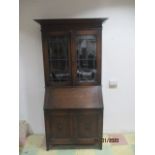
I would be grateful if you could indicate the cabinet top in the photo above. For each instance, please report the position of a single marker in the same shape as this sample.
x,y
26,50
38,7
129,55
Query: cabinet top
x,y
73,98
91,22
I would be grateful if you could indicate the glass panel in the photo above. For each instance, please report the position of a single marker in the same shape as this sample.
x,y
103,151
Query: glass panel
x,y
86,58
58,59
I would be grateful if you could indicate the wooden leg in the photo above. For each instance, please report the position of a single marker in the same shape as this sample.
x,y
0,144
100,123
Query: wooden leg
x,y
47,146
100,146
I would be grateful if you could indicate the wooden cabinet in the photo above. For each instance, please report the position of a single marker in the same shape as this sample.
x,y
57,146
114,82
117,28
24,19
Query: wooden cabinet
x,y
73,107
73,127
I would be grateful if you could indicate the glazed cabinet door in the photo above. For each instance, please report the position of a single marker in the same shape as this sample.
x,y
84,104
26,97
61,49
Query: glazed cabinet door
x,y
57,58
72,57
87,56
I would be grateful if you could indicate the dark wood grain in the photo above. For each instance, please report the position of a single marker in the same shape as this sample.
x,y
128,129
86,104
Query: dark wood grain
x,y
73,98
73,110
74,127
68,24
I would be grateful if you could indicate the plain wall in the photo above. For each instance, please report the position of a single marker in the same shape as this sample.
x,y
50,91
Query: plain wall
x,y
117,57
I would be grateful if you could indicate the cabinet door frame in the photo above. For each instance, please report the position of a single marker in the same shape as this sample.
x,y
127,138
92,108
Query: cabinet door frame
x,y
97,33
46,36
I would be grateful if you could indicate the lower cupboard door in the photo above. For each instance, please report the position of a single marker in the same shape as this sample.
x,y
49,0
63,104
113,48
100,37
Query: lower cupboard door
x,y
87,128
59,128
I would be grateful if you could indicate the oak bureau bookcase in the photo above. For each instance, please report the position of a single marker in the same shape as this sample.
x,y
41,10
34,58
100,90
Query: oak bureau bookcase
x,y
73,106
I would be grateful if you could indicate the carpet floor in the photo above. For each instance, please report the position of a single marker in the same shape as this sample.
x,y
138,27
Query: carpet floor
x,y
125,145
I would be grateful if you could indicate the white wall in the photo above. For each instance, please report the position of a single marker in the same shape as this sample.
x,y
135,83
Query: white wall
x,y
118,57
